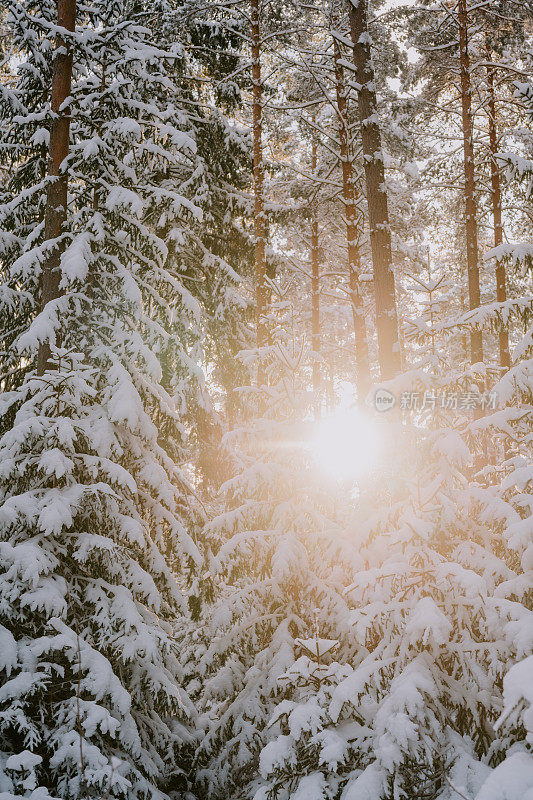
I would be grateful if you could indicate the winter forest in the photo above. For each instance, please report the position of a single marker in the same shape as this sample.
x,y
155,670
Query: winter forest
x,y
266,399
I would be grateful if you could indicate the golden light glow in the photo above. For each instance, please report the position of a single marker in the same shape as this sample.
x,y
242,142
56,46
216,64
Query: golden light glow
x,y
346,445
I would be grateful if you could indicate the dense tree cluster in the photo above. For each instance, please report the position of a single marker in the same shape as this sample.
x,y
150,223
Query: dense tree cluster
x,y
266,400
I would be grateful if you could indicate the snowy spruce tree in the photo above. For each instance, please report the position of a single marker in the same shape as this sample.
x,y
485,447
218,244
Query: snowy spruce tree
x,y
92,497
281,564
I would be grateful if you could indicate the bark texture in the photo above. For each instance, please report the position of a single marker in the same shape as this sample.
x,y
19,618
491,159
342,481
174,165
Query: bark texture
x,y
501,291
476,339
350,211
56,195
378,213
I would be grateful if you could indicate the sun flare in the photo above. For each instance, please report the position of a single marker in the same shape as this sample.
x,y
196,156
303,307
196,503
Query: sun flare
x,y
346,445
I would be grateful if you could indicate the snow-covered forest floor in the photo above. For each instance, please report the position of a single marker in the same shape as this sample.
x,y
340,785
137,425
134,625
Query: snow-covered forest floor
x,y
266,400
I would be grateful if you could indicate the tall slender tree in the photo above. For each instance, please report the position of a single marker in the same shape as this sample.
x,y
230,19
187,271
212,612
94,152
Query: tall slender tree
x,y
352,234
496,198
471,228
378,213
94,501
315,285
56,195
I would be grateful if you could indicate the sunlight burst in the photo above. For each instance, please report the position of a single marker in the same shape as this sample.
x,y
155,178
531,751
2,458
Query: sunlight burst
x,y
346,445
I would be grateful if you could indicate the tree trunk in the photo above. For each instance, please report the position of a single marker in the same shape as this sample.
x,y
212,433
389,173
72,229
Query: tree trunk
x,y
350,210
378,213
501,292
56,193
464,336
315,288
476,340
259,218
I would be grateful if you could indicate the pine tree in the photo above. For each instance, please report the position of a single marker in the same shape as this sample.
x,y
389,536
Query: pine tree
x,y
281,556
378,214
92,496
349,192
472,254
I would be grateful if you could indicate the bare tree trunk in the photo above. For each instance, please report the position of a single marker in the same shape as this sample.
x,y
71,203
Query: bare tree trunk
x,y
501,292
350,210
56,194
378,213
476,340
259,217
464,337
315,288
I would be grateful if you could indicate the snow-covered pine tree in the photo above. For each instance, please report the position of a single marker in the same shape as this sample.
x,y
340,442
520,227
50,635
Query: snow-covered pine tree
x,y
26,79
513,778
91,492
281,566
